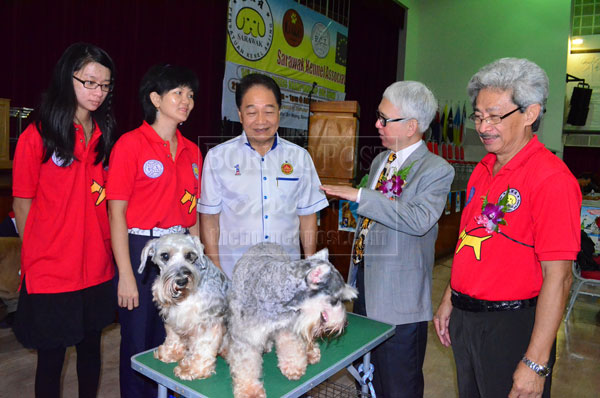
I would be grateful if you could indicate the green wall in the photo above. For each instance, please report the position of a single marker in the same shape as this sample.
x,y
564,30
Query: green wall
x,y
447,41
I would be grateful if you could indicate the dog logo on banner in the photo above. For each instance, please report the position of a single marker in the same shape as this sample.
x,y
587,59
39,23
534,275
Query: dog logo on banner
x,y
250,28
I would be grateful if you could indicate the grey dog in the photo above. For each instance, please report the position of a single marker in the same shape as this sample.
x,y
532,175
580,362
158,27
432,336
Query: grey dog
x,y
191,296
273,299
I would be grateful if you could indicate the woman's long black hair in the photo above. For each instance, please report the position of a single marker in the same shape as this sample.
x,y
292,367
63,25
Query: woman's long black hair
x,y
59,104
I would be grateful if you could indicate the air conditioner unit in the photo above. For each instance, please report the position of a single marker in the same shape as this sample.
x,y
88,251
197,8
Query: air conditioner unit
x,y
582,140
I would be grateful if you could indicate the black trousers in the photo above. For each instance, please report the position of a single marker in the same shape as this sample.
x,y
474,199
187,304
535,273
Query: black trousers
x,y
487,348
399,360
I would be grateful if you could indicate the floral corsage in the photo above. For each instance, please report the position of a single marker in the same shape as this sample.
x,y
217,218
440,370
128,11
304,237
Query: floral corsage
x,y
392,187
492,215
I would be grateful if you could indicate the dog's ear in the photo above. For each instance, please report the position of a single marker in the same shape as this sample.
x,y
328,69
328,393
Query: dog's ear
x,y
197,243
349,293
322,254
318,275
147,251
201,262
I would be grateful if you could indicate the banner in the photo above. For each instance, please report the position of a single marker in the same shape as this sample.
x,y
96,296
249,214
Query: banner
x,y
301,49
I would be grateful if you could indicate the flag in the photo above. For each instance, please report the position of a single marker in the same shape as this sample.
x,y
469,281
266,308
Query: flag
x,y
444,122
436,128
457,124
450,129
463,122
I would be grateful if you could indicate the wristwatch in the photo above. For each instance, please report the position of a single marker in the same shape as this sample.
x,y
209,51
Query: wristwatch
x,y
541,370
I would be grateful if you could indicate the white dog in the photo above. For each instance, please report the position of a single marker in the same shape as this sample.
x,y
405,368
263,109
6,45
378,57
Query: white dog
x,y
191,296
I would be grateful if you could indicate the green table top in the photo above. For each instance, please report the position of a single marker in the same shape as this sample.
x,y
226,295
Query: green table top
x,y
360,336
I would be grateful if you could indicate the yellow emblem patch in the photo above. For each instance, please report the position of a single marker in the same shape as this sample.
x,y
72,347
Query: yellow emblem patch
x,y
287,169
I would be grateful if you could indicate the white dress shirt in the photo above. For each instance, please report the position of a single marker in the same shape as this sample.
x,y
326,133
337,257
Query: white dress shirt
x,y
259,198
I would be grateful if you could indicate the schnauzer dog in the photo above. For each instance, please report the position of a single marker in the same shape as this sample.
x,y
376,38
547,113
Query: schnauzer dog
x,y
191,296
289,303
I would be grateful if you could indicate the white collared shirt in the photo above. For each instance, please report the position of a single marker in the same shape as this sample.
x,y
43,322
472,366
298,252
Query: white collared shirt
x,y
401,156
259,198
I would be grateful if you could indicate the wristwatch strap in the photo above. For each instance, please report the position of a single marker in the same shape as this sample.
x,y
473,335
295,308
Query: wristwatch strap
x,y
541,370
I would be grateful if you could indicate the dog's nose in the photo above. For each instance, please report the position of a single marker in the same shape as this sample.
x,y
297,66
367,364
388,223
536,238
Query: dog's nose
x,y
181,282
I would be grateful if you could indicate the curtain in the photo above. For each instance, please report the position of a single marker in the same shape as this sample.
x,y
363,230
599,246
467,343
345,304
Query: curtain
x,y
373,38
136,34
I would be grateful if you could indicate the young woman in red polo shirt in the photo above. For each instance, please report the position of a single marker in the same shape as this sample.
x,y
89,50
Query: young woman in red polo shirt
x,y
152,190
58,187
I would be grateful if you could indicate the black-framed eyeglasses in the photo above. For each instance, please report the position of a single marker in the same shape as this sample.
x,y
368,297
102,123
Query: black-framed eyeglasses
x,y
382,119
494,119
90,85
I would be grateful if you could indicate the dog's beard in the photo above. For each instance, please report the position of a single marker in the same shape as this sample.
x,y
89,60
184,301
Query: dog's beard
x,y
318,318
174,286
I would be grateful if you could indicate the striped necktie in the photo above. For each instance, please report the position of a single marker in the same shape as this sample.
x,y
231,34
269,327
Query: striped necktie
x,y
359,245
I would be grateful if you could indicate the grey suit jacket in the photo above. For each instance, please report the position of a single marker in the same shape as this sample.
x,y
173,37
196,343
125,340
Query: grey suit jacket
x,y
400,245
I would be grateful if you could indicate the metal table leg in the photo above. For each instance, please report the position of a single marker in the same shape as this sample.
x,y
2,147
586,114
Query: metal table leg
x,y
162,391
366,366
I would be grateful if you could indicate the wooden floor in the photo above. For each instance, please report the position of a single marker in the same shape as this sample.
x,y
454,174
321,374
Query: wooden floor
x,y
576,374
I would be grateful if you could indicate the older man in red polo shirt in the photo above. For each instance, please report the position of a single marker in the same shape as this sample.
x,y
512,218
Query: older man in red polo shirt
x,y
519,233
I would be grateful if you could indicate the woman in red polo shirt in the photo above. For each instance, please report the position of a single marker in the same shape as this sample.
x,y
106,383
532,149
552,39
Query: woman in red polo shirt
x,y
58,187
152,190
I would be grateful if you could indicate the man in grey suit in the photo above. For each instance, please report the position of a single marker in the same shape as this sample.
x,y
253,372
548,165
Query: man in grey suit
x,y
393,251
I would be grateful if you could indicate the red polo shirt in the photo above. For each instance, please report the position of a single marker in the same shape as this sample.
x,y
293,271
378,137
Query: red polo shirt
x,y
66,242
160,192
543,224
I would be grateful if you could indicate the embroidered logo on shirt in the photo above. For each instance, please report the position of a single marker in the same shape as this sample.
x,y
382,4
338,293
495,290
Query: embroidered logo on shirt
x,y
195,169
237,170
100,190
60,162
188,197
514,200
153,168
287,168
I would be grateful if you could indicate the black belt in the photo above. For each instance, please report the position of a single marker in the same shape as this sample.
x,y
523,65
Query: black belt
x,y
467,303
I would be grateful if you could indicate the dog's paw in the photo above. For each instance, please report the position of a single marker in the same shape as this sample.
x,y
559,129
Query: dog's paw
x,y
313,355
292,370
193,373
184,373
249,390
169,354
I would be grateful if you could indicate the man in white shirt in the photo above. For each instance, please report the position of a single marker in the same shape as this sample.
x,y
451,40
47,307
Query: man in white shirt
x,y
258,187
393,251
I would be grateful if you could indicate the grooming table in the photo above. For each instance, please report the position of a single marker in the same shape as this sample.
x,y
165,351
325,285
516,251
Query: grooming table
x,y
359,338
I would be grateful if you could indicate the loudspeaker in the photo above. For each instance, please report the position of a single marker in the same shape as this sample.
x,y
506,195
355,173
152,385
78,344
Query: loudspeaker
x,y
580,104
